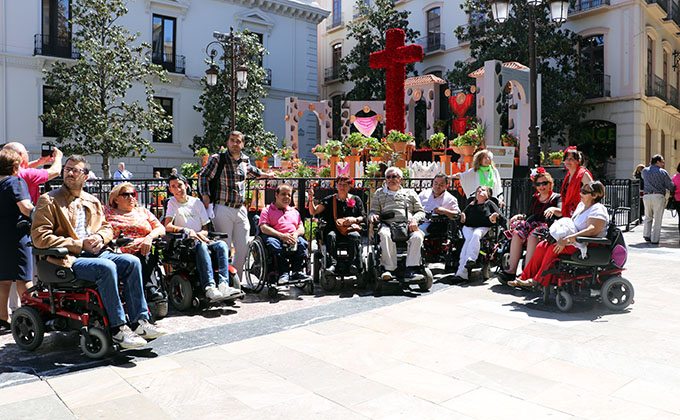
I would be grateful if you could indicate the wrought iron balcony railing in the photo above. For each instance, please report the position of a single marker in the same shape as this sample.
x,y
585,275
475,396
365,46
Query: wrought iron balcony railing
x,y
432,42
54,46
332,73
662,3
656,86
334,21
582,5
673,97
267,81
602,86
172,63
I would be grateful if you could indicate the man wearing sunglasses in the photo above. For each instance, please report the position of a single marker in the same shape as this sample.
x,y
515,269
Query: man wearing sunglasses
x,y
86,240
656,182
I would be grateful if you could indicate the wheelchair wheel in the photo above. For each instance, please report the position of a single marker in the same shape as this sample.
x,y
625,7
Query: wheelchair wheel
x,y
316,267
617,293
99,346
564,301
426,285
372,274
180,293
28,328
328,282
255,267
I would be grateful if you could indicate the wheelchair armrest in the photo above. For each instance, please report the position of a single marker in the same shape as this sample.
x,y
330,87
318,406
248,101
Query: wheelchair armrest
x,y
593,240
51,252
218,235
121,242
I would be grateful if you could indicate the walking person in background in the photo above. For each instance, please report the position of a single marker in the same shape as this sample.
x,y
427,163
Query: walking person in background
x,y
637,174
122,173
657,181
676,183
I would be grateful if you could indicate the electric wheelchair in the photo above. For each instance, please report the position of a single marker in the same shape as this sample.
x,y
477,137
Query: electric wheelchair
x,y
346,272
443,240
183,283
491,247
599,274
61,302
374,265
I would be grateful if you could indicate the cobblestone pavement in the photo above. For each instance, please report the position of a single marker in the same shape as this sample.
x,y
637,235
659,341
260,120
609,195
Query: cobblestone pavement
x,y
473,351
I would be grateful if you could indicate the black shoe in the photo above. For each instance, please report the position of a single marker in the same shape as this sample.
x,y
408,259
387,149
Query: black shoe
x,y
507,276
648,239
411,275
654,243
153,294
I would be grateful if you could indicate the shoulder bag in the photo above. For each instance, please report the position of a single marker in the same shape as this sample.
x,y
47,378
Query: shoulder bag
x,y
344,230
399,230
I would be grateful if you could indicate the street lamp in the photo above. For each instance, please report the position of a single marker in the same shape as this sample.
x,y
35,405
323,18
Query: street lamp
x,y
238,75
558,12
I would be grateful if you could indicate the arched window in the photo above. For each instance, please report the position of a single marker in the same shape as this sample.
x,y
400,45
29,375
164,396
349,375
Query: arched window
x,y
434,35
592,49
649,86
665,73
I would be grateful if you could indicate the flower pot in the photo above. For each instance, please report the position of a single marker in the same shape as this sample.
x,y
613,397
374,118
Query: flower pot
x,y
355,151
319,155
286,164
557,162
507,144
516,160
400,147
446,163
457,150
468,150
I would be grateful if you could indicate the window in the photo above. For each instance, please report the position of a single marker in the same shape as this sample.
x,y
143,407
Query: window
x,y
55,39
337,13
337,55
49,101
164,137
650,66
434,29
592,49
648,143
164,42
260,38
665,69
663,144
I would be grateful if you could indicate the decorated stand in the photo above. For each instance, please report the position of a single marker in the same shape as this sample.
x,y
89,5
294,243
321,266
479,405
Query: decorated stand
x,y
295,108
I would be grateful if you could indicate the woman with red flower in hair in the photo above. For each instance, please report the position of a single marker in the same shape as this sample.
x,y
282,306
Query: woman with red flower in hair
x,y
523,227
342,209
576,177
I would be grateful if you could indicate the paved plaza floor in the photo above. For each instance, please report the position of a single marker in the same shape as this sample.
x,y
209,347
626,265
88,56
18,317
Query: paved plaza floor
x,y
473,351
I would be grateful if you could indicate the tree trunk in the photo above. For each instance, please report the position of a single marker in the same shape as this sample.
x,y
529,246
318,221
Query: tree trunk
x,y
106,168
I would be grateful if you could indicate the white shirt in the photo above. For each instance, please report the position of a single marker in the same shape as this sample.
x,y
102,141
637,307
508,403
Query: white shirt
x,y
124,174
596,211
190,214
445,200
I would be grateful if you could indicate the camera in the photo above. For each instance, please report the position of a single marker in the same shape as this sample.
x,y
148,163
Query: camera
x,y
46,150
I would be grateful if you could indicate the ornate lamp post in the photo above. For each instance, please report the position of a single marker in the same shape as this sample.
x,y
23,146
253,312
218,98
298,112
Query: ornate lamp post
x,y
238,75
558,11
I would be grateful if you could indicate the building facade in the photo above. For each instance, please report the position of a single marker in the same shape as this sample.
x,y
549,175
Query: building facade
x,y
35,33
632,49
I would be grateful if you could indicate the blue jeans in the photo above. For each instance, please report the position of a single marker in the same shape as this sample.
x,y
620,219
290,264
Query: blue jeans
x,y
295,260
204,262
106,270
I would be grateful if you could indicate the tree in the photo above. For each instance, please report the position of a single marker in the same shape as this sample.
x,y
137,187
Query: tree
x,y
215,101
563,84
369,32
91,114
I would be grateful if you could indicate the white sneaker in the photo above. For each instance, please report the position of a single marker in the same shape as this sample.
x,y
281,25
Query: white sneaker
x,y
127,339
227,290
386,276
148,330
213,294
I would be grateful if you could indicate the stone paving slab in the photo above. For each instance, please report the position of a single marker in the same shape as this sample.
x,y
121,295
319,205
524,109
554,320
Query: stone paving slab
x,y
475,351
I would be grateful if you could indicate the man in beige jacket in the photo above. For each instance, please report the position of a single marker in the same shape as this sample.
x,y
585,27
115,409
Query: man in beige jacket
x,y
71,218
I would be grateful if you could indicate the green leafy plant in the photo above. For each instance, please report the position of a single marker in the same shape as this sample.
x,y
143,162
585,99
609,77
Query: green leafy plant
x,y
437,140
395,136
286,154
440,125
334,148
509,139
189,169
260,153
202,152
319,148
356,140
472,137
556,155
303,171
372,170
324,172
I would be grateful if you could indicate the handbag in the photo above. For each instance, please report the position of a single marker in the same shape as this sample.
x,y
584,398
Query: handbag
x,y
399,230
344,230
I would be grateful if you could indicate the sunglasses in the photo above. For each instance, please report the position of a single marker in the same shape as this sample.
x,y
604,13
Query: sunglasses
x,y
132,194
392,176
586,192
69,169
541,184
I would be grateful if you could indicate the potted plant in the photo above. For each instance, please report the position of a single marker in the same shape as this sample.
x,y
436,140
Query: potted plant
x,y
319,151
324,172
260,154
203,154
440,126
333,148
286,154
355,142
437,141
190,170
398,142
556,157
469,141
372,170
509,140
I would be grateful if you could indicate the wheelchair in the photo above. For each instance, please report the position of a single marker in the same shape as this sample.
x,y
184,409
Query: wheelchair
x,y
154,273
443,241
491,248
346,271
374,265
260,270
599,274
61,302
183,284
502,253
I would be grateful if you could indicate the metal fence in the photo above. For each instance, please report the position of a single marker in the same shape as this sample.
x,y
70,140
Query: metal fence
x,y
622,195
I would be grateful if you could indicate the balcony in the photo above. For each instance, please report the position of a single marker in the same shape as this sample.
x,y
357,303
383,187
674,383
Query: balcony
x,y
656,86
267,81
357,12
582,5
601,86
334,21
171,63
674,14
54,46
331,74
432,42
662,3
673,97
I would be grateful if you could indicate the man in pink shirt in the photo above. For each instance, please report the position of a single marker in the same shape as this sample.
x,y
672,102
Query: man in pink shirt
x,y
283,230
31,174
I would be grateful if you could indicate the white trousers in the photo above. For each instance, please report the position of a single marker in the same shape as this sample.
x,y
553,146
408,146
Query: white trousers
x,y
473,238
234,222
654,207
389,249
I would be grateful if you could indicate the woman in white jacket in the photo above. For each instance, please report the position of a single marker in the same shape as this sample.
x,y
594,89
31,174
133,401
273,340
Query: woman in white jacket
x,y
483,172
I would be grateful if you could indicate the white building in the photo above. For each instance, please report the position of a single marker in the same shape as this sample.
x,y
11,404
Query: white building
x,y
31,37
634,50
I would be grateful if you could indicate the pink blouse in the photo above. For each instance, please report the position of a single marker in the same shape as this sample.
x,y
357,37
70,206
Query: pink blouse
x,y
676,182
136,225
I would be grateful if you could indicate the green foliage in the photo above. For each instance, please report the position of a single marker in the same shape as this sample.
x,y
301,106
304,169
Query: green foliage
x,y
215,101
556,155
472,137
395,136
356,139
509,139
334,148
203,151
440,125
303,171
563,84
372,170
324,172
369,33
437,141
93,115
189,169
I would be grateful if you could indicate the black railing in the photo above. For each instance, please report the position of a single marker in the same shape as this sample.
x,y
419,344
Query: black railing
x,y
601,86
673,97
660,88
172,63
434,41
582,5
267,81
334,21
54,46
674,14
332,73
662,3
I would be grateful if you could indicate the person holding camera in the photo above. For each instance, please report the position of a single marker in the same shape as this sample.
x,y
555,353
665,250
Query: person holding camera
x,y
29,171
283,229
394,204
